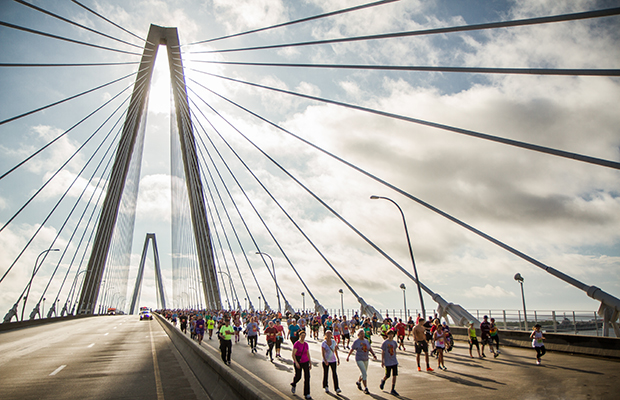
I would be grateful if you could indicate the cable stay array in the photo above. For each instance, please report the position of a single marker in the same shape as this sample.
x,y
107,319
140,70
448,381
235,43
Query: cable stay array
x,y
462,28
297,21
468,70
498,139
219,199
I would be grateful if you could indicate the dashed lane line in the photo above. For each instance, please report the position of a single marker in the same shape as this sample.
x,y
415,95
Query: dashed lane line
x,y
158,385
57,370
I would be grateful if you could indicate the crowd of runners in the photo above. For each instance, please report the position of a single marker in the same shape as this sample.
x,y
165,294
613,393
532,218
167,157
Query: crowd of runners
x,y
338,334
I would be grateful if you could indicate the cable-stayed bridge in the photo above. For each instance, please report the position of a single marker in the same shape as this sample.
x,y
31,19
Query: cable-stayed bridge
x,y
259,155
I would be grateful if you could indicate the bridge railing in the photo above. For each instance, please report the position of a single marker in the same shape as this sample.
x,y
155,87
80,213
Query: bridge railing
x,y
556,321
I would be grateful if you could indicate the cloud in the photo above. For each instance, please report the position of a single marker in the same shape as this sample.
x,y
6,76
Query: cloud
x,y
488,292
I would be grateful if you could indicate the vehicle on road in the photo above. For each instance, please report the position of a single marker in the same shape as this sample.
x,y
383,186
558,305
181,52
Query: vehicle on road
x,y
145,313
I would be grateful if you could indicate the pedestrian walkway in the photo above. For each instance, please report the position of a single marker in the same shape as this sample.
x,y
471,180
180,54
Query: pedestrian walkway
x,y
513,374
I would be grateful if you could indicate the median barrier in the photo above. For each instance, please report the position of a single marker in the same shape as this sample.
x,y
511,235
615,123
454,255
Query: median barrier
x,y
568,343
219,381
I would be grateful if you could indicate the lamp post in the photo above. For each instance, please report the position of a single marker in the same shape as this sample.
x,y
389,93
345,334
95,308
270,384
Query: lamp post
x,y
259,308
341,301
415,271
303,301
402,286
519,279
245,303
274,278
34,271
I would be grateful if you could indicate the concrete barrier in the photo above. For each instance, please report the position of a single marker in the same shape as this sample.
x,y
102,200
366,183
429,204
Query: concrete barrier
x,y
29,323
219,381
576,344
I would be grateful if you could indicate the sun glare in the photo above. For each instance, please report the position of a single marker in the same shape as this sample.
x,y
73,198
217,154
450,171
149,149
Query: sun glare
x,y
159,97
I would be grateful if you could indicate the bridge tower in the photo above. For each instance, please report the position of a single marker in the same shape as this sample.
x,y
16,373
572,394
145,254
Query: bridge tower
x,y
129,147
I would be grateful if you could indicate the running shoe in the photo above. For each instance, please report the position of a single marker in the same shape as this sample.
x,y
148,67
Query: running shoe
x,y
419,369
366,391
495,355
326,389
382,384
359,385
394,393
308,397
292,388
429,369
338,390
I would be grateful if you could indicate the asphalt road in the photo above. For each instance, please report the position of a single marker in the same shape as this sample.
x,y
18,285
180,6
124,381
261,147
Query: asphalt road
x,y
112,357
121,357
513,375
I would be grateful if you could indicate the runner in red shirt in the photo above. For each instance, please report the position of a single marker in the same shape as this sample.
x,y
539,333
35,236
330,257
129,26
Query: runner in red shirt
x,y
400,333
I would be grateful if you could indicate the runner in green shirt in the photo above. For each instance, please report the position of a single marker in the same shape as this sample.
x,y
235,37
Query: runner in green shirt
x,y
226,332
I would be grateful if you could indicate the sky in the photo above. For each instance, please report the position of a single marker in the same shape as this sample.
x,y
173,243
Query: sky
x,y
561,212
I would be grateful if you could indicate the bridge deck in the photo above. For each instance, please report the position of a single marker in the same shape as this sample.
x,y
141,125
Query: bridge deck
x,y
112,358
512,375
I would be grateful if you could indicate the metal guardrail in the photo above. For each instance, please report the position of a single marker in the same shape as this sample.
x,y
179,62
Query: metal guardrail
x,y
556,321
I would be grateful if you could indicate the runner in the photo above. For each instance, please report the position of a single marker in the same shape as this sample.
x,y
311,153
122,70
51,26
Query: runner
x,y
301,361
346,336
537,343
375,323
385,327
253,332
473,339
316,325
210,326
183,319
494,335
271,332
237,327
410,325
367,327
362,348
279,337
329,351
337,331
293,331
421,345
200,328
225,334
389,361
400,334
440,344
485,335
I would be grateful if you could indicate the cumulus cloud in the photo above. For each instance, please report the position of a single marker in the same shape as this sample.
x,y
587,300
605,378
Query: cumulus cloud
x,y
488,292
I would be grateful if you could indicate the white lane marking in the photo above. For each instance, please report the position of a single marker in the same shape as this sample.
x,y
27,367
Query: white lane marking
x,y
106,334
91,345
57,370
158,385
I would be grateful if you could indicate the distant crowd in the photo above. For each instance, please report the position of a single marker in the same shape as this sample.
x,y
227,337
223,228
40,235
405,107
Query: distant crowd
x,y
338,333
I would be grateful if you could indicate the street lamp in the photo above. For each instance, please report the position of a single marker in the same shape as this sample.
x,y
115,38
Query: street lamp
x,y
303,301
274,278
402,286
519,279
341,301
259,304
415,271
34,271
